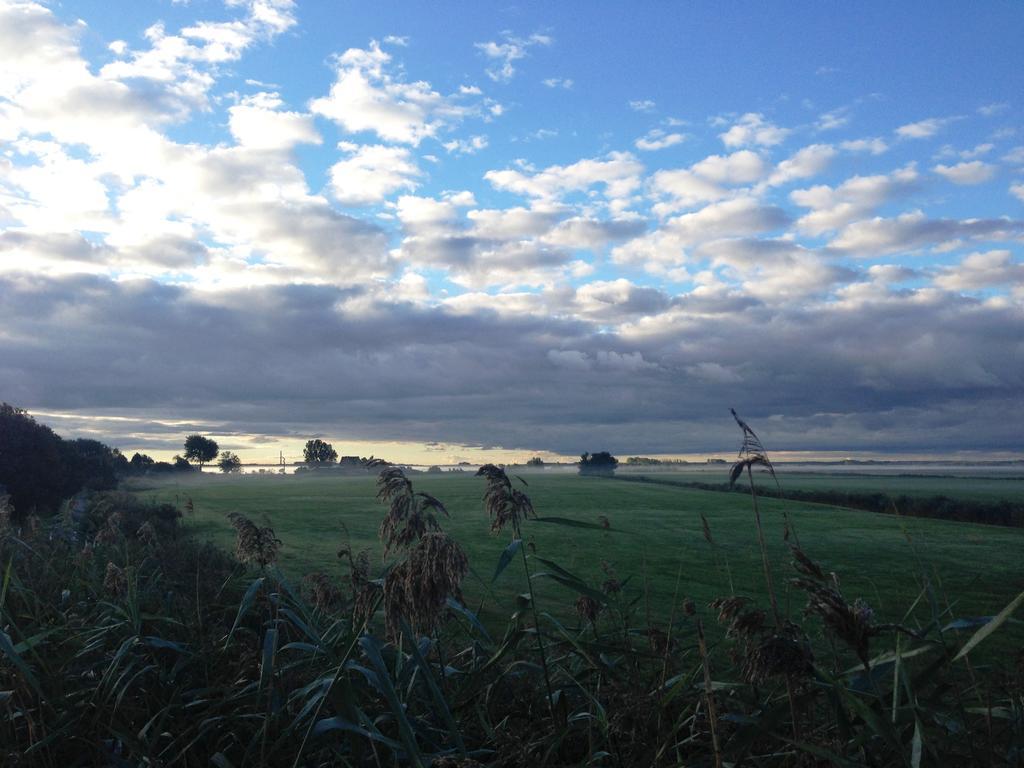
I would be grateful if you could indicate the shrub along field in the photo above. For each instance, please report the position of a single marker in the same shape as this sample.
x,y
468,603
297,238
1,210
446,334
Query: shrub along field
x,y
656,536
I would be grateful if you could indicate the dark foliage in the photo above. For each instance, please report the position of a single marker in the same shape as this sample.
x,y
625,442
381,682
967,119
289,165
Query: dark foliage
x,y
40,470
601,463
200,449
319,452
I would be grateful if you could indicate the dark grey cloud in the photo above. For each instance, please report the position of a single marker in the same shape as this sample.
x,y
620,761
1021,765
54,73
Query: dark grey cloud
x,y
932,371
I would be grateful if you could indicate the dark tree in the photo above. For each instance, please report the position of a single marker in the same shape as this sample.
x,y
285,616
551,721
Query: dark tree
x,y
40,470
89,464
319,452
229,462
31,463
181,465
200,449
140,463
601,463
536,461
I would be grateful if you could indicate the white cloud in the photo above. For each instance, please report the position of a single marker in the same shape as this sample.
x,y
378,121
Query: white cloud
x,y
857,197
743,167
642,105
1017,190
511,223
913,231
558,82
366,96
257,122
176,63
974,172
510,50
658,139
875,146
469,146
923,129
706,180
996,108
978,151
1015,156
618,172
372,173
752,128
830,121
807,162
740,217
982,270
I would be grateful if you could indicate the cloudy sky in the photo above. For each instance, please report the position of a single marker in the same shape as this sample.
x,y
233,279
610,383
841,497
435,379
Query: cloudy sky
x,y
423,229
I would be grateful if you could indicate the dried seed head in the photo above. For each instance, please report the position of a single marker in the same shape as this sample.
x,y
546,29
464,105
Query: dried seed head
x,y
504,504
254,544
728,607
588,608
108,534
752,452
850,623
786,652
115,581
410,514
806,566
147,534
323,594
744,623
689,607
419,586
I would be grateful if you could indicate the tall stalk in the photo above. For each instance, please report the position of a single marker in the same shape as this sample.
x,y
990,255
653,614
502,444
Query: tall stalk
x,y
753,452
536,625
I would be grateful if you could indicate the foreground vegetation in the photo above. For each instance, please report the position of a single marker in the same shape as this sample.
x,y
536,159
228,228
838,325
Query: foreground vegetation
x,y
128,642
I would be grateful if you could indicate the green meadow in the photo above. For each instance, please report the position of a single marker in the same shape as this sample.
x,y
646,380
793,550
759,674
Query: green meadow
x,y
655,540
992,485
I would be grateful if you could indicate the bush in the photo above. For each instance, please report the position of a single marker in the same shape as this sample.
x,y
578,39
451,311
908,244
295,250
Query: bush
x,y
602,463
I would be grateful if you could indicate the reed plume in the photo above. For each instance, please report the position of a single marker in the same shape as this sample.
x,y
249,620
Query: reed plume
x,y
505,505
410,515
849,622
254,544
588,608
418,588
115,580
323,593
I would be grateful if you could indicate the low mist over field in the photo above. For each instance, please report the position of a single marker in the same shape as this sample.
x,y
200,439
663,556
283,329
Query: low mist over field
x,y
542,229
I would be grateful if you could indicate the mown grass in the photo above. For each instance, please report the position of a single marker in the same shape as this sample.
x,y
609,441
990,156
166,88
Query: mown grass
x,y
982,487
657,534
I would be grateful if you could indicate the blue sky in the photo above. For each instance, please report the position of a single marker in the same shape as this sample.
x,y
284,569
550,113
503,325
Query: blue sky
x,y
546,227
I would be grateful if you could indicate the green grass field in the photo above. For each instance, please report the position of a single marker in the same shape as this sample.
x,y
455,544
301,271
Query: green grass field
x,y
881,558
989,487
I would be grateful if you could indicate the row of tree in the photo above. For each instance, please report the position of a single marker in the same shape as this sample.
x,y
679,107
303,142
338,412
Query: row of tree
x,y
39,468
